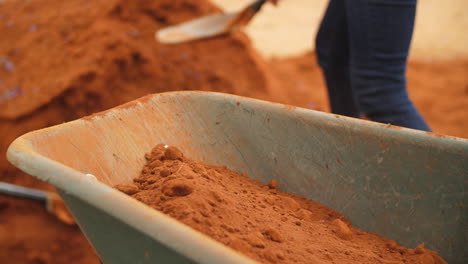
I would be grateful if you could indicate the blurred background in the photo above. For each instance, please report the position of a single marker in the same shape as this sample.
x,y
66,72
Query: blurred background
x,y
62,60
440,31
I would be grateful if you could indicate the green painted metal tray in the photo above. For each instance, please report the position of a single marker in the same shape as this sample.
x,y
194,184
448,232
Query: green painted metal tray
x,y
400,183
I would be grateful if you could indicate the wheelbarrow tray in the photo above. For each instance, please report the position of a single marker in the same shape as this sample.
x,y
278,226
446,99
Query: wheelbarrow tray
x,y
400,183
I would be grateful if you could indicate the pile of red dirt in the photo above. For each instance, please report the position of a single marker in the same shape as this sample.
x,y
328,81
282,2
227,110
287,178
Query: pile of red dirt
x,y
61,60
259,221
67,59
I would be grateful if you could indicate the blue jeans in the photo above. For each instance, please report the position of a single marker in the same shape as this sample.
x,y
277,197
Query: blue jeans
x,y
362,47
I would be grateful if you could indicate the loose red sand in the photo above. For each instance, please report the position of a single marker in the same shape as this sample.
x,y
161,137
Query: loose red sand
x,y
62,60
263,223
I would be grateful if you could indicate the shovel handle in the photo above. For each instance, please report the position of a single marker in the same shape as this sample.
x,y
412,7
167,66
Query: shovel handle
x,y
245,15
23,192
255,6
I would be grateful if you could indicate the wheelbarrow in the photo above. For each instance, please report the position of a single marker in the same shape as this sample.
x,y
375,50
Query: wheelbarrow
x,y
400,183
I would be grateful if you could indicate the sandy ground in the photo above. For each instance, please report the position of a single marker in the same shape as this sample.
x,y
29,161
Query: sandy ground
x,y
440,32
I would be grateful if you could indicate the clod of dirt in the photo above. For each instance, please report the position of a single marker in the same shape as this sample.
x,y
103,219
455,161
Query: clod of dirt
x,y
273,184
156,163
177,187
265,224
239,244
165,172
255,239
420,249
127,189
342,229
172,153
273,235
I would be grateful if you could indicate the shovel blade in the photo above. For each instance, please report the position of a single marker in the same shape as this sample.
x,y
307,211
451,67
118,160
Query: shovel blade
x,y
205,27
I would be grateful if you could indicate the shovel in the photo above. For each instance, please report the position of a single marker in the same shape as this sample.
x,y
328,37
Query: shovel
x,y
208,26
52,201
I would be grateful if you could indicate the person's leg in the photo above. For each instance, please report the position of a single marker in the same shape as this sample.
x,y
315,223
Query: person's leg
x,y
332,49
380,33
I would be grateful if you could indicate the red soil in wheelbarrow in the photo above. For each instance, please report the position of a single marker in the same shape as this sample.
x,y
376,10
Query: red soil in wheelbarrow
x,y
258,220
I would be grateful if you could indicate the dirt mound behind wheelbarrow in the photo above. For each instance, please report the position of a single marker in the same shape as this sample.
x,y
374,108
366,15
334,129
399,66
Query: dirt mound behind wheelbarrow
x,y
61,60
267,225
